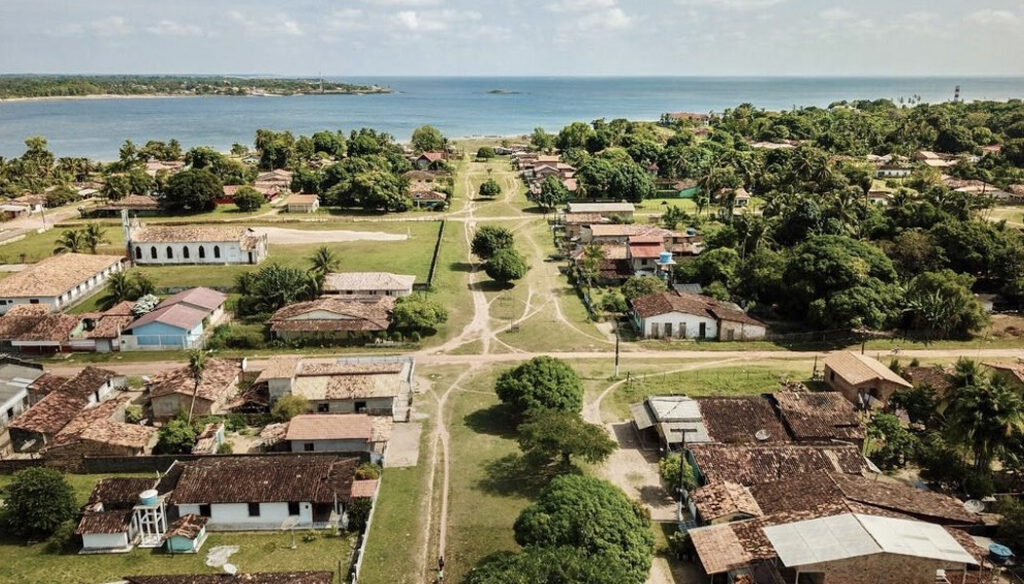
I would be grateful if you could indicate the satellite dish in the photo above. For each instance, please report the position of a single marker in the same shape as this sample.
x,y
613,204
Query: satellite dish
x,y
230,569
289,523
974,505
762,435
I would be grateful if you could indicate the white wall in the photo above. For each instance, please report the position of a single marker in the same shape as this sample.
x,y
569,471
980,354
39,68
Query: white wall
x,y
69,297
235,516
677,319
16,403
353,445
104,541
230,253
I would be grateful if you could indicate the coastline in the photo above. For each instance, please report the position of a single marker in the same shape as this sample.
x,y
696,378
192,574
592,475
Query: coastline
x,y
98,96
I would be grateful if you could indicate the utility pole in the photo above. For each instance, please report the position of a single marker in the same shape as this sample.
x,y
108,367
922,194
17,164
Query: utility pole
x,y
616,348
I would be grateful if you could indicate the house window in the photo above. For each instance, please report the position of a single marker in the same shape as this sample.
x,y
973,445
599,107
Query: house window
x,y
33,301
293,508
10,413
184,252
138,253
360,406
204,510
152,253
216,251
254,509
170,253
832,376
202,252
308,447
323,408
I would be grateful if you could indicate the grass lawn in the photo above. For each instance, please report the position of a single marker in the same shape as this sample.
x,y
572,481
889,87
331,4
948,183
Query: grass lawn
x,y
35,564
655,206
38,246
410,256
512,199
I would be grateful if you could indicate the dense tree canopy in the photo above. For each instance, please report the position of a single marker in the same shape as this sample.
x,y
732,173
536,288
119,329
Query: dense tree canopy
x,y
555,435
490,239
418,313
427,138
506,266
37,501
541,382
192,191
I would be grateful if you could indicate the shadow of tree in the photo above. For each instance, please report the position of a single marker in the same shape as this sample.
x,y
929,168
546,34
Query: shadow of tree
x,y
490,286
517,475
497,420
460,267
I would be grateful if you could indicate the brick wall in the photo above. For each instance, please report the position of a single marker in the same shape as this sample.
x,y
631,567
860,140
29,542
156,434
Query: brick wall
x,y
883,569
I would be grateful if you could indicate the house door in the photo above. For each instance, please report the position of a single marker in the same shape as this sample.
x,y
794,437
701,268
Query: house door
x,y
682,330
655,330
703,332
730,334
668,330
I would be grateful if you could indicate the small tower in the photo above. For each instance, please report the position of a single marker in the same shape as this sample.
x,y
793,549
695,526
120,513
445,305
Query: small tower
x,y
150,519
665,263
956,94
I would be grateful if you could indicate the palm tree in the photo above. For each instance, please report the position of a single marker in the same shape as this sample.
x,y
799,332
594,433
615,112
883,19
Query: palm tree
x,y
119,288
196,365
983,418
93,235
324,261
70,241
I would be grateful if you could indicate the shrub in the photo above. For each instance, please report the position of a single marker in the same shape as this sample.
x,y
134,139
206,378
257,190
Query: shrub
x,y
248,199
485,153
289,406
368,471
674,477
415,336
62,537
225,448
359,513
133,414
177,437
37,502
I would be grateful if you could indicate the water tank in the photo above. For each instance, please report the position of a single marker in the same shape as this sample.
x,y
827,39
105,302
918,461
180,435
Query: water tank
x,y
665,257
149,497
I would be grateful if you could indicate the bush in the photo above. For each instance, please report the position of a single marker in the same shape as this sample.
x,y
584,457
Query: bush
x,y
669,468
37,502
289,406
490,189
490,239
680,545
177,437
133,414
541,382
396,336
248,199
359,513
368,472
225,448
235,423
485,153
506,266
62,537
415,337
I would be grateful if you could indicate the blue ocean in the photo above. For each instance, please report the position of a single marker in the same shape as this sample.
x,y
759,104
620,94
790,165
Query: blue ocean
x,y
460,107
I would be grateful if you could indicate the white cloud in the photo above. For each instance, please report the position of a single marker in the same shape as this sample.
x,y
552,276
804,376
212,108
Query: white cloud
x,y
173,28
581,5
993,17
610,19
731,4
269,25
348,19
434,21
110,26
403,2
836,14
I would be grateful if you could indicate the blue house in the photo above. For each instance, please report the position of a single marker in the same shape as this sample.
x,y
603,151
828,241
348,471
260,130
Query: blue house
x,y
177,323
186,535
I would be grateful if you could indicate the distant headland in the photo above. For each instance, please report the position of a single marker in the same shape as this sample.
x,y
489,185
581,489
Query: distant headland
x,y
14,87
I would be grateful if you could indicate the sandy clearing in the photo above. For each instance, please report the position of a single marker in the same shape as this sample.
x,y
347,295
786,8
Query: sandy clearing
x,y
281,236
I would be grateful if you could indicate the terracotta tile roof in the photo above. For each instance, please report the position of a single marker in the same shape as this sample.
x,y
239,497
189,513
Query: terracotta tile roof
x,y
28,310
601,207
856,368
582,218
55,275
381,428
811,492
115,521
88,380
1014,369
201,297
819,415
119,492
936,377
352,386
192,234
612,251
432,156
765,463
737,420
364,489
53,328
902,498
189,526
280,367
300,199
330,427
626,230
50,414
264,479
218,381
724,499
351,316
421,194
250,578
719,548
686,303
96,424
206,441
109,324
367,281
645,250
46,383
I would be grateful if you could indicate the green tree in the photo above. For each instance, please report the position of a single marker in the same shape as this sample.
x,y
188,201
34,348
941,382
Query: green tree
x,y
490,239
490,189
637,286
427,139
289,406
506,266
70,241
93,236
676,473
942,305
123,286
271,287
893,444
632,183
553,193
541,382
248,199
594,517
982,418
192,191
548,565
548,436
590,263
418,313
37,501
324,261
176,437
541,141
485,153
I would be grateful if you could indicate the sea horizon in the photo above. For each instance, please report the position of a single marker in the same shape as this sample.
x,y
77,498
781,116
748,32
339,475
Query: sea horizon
x,y
460,106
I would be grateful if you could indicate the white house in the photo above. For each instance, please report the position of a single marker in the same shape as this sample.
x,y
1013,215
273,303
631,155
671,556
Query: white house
x,y
681,315
110,522
368,284
58,281
195,244
261,492
339,433
15,377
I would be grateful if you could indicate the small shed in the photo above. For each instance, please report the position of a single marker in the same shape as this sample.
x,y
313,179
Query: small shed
x,y
187,534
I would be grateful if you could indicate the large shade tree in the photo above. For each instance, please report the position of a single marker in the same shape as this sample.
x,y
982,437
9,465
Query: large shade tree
x,y
541,382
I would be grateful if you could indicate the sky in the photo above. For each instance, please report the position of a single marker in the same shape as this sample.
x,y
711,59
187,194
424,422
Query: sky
x,y
362,38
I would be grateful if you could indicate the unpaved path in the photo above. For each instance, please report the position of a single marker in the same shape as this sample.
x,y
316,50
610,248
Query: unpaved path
x,y
282,236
